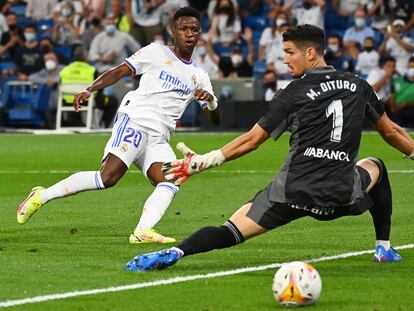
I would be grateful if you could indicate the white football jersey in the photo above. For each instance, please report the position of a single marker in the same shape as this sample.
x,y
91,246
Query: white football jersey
x,y
166,88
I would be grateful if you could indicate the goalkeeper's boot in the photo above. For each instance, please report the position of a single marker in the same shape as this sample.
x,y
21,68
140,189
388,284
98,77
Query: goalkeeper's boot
x,y
29,206
154,261
383,255
149,236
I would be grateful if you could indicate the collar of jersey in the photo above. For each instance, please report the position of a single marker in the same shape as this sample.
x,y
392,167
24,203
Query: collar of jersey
x,y
321,70
185,62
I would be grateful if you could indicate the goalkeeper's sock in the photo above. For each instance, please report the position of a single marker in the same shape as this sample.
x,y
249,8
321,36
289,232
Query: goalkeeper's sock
x,y
381,195
386,244
209,238
75,183
156,205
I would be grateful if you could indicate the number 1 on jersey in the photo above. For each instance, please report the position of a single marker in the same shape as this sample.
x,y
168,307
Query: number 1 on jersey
x,y
335,108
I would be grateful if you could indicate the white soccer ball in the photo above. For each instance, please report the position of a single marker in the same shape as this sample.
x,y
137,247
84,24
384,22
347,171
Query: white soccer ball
x,y
296,284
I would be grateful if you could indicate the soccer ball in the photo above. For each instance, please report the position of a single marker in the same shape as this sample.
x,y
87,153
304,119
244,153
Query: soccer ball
x,y
297,284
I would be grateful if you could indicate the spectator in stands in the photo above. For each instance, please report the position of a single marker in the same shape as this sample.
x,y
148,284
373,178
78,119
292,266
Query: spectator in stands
x,y
398,45
272,36
253,7
57,10
238,65
3,24
94,9
212,7
368,59
404,96
346,8
354,36
121,19
378,11
47,45
10,40
49,75
95,27
311,12
110,46
381,81
225,25
335,55
69,27
40,9
206,58
145,19
275,59
28,58
270,84
403,9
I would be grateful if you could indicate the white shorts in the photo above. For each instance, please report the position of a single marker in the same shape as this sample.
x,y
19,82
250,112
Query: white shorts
x,y
130,143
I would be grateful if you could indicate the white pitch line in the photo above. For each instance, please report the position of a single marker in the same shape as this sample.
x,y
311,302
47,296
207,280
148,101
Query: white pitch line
x,y
180,279
224,171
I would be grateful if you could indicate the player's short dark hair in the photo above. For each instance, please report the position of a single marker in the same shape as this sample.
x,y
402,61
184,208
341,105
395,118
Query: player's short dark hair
x,y
186,11
387,59
306,36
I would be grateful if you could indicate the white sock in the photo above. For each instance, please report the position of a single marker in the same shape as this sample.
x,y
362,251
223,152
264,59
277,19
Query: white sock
x,y
156,205
75,183
386,244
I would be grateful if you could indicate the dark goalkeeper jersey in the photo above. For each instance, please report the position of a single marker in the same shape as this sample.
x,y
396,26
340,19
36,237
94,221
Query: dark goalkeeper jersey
x,y
326,110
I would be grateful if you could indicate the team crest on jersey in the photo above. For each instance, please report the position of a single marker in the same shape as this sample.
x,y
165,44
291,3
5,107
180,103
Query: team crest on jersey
x,y
169,62
124,147
194,79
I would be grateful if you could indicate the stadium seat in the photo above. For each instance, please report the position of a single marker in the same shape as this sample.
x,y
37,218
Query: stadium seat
x,y
69,89
65,51
256,23
44,25
26,103
19,10
259,68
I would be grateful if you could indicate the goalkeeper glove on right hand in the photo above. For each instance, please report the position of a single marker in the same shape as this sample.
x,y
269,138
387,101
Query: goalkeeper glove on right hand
x,y
178,171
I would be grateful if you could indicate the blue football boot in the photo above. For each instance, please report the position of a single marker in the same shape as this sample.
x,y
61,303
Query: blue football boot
x,y
382,255
153,261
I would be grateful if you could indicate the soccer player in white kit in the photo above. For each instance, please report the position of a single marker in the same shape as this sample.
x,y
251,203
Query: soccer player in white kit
x,y
170,80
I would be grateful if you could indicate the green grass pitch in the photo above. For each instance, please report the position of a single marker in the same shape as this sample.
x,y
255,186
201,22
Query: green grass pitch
x,y
81,243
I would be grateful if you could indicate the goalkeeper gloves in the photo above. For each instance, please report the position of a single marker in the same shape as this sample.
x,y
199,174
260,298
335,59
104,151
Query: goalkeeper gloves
x,y
178,171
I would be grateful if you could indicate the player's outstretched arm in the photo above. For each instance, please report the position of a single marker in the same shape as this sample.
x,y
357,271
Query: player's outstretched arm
x,y
109,77
396,136
179,170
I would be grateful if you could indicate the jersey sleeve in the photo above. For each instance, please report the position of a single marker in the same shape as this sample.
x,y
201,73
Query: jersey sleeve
x,y
374,108
141,61
277,111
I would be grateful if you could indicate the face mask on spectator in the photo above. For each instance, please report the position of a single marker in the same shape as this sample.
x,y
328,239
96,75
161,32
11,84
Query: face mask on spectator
x,y
30,36
236,59
410,72
110,29
66,12
307,5
159,42
201,51
333,48
359,22
50,65
369,48
280,22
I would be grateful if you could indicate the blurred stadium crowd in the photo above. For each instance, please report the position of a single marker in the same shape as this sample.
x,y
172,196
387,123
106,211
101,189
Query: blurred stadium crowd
x,y
48,42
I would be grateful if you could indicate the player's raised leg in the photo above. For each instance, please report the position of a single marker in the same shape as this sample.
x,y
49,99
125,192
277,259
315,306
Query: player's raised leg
x,y
235,231
380,193
154,208
112,170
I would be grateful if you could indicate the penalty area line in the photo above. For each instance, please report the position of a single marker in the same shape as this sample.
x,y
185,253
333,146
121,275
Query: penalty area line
x,y
181,279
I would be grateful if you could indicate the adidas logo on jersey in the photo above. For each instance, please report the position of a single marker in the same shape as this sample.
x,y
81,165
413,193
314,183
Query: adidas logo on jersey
x,y
326,153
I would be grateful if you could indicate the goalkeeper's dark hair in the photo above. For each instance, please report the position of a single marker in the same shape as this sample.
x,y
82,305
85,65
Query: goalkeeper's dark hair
x,y
306,36
186,11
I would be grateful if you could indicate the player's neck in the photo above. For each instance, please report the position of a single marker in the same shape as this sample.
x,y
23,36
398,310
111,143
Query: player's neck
x,y
320,62
183,56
